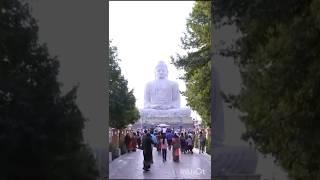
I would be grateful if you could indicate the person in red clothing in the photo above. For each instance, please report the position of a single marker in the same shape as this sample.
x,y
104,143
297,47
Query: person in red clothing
x,y
176,147
134,142
127,140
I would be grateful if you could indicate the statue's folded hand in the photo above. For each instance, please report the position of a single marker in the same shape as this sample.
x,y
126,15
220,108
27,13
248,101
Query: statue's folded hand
x,y
154,106
164,107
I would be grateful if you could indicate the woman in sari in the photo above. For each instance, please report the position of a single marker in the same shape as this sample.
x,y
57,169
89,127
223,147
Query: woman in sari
x,y
147,151
127,140
176,147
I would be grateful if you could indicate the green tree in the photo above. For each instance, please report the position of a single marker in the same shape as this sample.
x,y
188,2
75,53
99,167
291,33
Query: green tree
x,y
197,62
278,56
122,101
40,129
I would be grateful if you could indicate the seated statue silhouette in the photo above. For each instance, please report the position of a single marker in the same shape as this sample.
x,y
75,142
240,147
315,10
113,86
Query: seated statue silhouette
x,y
162,96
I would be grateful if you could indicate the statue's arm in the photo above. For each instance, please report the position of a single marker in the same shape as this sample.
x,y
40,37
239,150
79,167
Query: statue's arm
x,y
175,96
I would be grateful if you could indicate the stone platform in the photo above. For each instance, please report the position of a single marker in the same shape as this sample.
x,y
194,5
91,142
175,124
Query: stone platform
x,y
166,120
174,122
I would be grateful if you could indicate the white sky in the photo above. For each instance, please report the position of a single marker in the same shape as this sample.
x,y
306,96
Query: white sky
x,y
146,32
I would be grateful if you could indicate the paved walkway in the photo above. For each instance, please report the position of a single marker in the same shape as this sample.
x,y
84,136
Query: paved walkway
x,y
191,166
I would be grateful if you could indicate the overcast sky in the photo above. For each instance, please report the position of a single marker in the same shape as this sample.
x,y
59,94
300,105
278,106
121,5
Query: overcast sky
x,y
145,33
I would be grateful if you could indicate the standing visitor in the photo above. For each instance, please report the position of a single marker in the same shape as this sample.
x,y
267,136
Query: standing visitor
x,y
202,142
190,144
134,142
138,139
154,142
169,138
159,142
127,141
183,143
164,146
193,137
164,130
175,147
147,151
190,134
153,137
130,142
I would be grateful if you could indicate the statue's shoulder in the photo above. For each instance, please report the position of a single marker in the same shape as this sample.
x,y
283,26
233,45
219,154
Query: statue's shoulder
x,y
173,83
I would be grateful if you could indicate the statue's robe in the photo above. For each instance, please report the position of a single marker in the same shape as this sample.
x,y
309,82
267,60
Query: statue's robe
x,y
162,93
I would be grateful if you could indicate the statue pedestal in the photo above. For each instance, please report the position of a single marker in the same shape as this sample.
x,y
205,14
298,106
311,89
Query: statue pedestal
x,y
173,117
173,122
166,120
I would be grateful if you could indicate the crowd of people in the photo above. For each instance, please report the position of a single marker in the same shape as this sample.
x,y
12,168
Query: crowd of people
x,y
163,141
132,141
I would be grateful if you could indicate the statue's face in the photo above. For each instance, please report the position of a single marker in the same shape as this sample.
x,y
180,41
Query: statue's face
x,y
161,72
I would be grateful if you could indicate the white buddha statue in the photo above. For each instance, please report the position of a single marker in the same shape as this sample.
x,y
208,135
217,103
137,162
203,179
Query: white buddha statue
x,y
162,96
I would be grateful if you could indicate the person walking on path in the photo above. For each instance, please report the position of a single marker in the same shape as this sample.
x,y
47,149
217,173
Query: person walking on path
x,y
202,142
127,140
169,138
153,137
183,143
159,137
193,138
138,140
147,151
176,147
164,146
189,143
134,142
154,142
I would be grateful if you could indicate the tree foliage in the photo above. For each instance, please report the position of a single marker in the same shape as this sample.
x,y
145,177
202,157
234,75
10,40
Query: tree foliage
x,y
196,63
40,129
122,101
278,56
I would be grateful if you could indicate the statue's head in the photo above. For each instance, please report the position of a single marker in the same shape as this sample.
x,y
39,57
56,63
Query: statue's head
x,y
161,70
